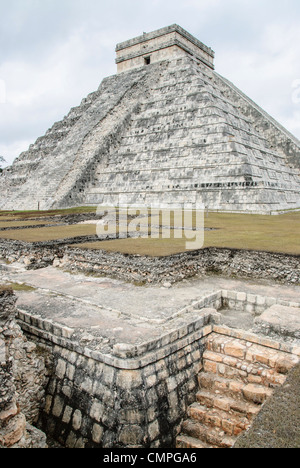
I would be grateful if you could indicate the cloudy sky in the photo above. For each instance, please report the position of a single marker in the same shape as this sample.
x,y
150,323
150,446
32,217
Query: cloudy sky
x,y
55,52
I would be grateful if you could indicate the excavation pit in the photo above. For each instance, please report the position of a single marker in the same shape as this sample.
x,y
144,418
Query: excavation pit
x,y
127,358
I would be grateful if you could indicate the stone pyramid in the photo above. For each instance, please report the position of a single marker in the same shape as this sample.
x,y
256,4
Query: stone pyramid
x,y
165,129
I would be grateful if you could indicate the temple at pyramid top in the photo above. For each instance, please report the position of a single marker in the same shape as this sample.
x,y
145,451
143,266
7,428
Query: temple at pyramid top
x,y
163,44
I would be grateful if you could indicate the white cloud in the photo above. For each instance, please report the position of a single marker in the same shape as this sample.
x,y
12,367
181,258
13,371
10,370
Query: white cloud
x,y
266,73
10,151
296,91
294,122
40,92
2,91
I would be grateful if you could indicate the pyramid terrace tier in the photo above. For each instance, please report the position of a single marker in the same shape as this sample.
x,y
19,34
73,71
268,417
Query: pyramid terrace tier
x,y
171,132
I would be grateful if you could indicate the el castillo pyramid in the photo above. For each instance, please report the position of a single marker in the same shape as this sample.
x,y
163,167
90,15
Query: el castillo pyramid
x,y
165,129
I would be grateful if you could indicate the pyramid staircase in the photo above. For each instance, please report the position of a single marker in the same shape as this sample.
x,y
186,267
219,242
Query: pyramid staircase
x,y
236,379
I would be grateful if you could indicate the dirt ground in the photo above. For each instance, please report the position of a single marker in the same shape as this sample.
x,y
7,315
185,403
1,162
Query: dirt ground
x,y
278,423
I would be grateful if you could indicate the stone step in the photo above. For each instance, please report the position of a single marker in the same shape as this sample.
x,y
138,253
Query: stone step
x,y
224,403
241,370
232,423
236,379
232,388
252,353
218,384
213,436
217,419
186,442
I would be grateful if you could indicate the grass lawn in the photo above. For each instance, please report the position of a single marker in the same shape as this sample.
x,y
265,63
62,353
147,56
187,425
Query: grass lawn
x,y
16,287
251,232
40,234
138,246
255,232
20,287
43,234
242,231
20,215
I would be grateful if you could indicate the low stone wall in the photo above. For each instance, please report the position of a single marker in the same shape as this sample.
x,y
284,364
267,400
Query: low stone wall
x,y
246,264
22,381
30,255
226,262
254,304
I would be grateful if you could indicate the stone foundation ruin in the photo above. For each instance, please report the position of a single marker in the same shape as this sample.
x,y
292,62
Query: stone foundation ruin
x,y
132,369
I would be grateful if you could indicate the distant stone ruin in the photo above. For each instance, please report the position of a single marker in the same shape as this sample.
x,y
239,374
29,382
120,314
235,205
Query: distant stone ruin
x,y
165,129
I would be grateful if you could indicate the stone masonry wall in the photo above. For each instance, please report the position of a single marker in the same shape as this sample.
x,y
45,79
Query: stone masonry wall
x,y
22,381
135,397
94,405
277,136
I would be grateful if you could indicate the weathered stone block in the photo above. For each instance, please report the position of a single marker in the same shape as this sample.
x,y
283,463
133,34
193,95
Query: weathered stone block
x,y
235,349
131,435
97,433
255,393
77,420
61,369
97,411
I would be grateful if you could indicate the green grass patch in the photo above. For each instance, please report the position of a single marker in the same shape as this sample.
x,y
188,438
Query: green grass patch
x,y
44,234
20,287
138,246
9,215
279,234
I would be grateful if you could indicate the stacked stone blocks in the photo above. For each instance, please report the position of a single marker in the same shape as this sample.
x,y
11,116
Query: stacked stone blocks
x,y
138,396
23,378
91,404
239,373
